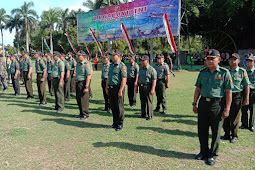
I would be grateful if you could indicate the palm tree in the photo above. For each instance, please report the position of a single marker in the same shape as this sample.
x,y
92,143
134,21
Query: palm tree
x,y
101,3
3,19
15,23
63,19
29,18
49,18
72,17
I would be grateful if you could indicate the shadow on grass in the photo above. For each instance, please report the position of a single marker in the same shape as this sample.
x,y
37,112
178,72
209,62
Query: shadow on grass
x,y
80,124
47,113
177,116
188,122
145,149
171,132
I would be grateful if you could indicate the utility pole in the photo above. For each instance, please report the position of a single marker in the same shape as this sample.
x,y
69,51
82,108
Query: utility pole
x,y
42,45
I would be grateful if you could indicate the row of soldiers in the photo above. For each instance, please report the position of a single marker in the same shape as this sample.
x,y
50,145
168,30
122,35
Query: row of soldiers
x,y
222,94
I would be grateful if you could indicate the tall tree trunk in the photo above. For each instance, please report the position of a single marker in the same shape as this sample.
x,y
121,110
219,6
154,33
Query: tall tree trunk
x,y
27,34
18,38
51,43
2,38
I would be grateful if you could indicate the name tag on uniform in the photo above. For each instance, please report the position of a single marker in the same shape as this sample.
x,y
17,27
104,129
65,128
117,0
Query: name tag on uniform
x,y
238,76
218,78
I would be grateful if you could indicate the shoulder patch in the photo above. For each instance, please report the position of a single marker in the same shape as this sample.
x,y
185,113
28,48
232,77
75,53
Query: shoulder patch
x,y
222,68
203,68
242,69
122,63
60,65
41,62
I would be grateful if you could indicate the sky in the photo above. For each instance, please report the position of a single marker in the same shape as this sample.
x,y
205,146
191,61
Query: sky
x,y
39,6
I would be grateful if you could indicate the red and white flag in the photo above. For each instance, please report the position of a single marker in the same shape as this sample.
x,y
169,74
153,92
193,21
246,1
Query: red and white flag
x,y
87,48
98,44
169,34
70,42
124,31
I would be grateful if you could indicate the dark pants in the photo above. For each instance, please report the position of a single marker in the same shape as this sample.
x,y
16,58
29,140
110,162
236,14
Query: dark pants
x,y
161,94
72,84
41,88
117,105
15,84
249,122
131,91
28,84
82,98
210,115
67,89
106,97
90,91
49,80
146,100
59,94
3,81
95,66
230,124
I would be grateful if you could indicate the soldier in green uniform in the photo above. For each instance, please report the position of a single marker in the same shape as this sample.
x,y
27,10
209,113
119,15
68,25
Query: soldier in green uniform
x,y
67,79
147,82
72,63
132,80
14,71
162,83
3,72
83,77
115,84
104,76
27,74
240,82
249,123
50,64
213,84
41,71
58,72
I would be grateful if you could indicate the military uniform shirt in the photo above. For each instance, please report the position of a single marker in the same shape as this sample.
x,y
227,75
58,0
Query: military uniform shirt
x,y
39,65
147,75
83,69
132,70
50,64
2,66
105,71
14,66
26,64
116,73
58,67
240,79
67,66
162,70
251,75
72,63
214,84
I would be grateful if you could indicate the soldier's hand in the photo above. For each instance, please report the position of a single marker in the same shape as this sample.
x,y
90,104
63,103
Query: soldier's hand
x,y
15,77
42,79
135,84
195,109
167,86
67,79
74,74
28,77
152,92
136,89
106,90
225,113
86,90
60,84
120,93
245,102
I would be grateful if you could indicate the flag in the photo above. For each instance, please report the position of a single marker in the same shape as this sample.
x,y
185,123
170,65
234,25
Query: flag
x,y
46,44
70,42
124,31
169,33
98,44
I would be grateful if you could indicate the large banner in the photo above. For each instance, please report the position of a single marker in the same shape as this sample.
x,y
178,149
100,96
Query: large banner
x,y
142,19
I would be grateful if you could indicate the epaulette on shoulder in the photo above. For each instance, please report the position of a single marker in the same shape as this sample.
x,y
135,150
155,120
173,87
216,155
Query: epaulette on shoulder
x,y
242,69
203,68
222,68
122,63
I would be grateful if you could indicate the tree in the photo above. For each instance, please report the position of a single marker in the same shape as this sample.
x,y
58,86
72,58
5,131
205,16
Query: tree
x,y
3,20
15,23
63,19
49,18
29,19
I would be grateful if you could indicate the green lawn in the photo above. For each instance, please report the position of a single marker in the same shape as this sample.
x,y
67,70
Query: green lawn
x,y
35,137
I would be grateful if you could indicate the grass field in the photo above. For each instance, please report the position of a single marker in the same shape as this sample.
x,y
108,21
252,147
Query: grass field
x,y
35,137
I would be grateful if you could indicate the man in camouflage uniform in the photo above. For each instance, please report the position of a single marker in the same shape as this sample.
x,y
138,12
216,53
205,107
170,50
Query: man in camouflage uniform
x,y
3,72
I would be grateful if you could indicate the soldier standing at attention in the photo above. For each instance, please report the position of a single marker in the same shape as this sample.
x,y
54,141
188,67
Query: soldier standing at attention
x,y
3,72
72,63
50,64
14,71
83,77
162,83
132,80
27,75
115,84
213,84
104,76
67,79
41,71
58,72
147,83
240,82
249,123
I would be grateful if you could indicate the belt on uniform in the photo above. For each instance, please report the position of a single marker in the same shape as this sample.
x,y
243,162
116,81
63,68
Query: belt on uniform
x,y
161,79
39,73
115,86
211,99
252,89
144,85
235,93
78,81
55,77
